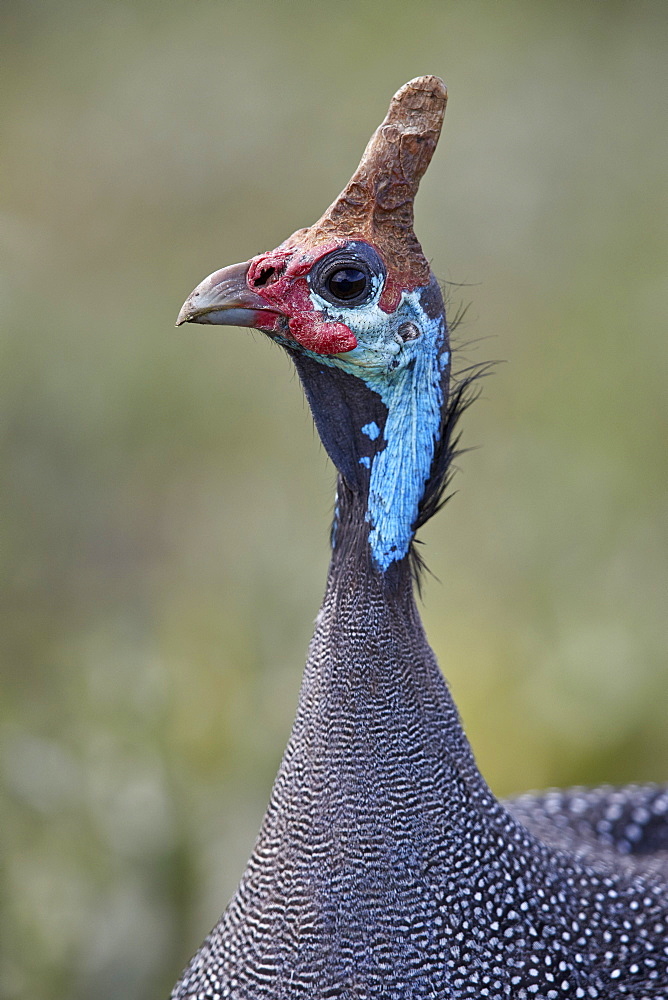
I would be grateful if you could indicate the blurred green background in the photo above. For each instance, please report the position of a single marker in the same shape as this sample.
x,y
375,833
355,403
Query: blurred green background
x,y
165,500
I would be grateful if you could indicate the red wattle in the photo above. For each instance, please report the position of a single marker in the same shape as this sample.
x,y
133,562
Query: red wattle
x,y
315,334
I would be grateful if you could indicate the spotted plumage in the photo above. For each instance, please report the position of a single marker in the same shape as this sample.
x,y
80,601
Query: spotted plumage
x,y
385,867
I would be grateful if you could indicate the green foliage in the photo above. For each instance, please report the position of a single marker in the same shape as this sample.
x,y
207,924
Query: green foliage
x,y
165,501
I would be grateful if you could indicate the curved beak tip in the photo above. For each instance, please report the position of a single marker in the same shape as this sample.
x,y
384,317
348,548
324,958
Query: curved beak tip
x,y
184,313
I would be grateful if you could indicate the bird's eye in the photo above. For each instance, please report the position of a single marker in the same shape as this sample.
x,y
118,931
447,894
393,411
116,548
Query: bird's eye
x,y
349,276
347,283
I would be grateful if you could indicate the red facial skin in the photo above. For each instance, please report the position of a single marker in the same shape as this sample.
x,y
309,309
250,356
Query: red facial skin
x,y
279,277
391,294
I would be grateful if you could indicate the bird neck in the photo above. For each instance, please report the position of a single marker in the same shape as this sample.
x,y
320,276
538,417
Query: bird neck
x,y
374,705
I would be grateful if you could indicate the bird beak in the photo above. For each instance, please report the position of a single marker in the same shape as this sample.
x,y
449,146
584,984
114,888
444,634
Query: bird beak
x,y
224,298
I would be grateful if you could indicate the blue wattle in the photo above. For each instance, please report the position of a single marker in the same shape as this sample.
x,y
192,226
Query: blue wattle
x,y
399,473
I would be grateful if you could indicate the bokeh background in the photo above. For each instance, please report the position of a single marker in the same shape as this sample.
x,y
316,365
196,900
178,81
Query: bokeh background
x,y
165,501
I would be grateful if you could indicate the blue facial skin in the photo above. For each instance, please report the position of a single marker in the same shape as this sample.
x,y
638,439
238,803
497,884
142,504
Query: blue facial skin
x,y
408,377
371,430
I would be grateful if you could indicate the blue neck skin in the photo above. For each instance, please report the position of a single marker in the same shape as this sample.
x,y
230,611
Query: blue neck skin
x,y
402,358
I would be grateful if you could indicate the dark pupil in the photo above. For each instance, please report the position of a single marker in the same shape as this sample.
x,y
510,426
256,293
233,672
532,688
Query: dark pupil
x,y
347,283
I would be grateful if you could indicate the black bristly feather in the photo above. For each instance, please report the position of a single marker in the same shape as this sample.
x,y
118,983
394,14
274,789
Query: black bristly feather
x,y
437,493
446,449
462,392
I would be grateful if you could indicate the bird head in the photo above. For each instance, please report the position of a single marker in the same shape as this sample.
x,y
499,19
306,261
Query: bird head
x,y
353,301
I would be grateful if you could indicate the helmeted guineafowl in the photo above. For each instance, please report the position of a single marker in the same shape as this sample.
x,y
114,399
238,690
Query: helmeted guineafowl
x,y
385,867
